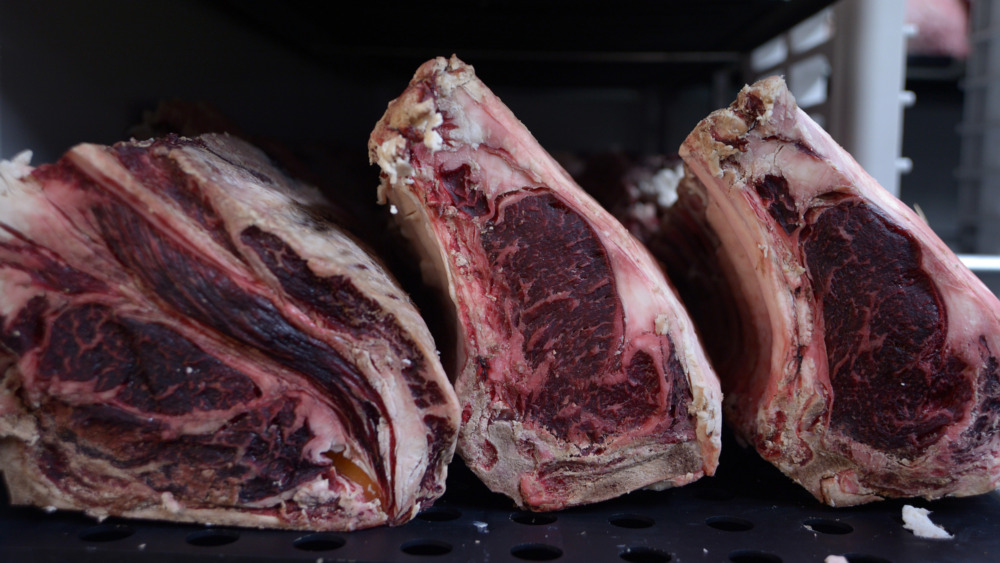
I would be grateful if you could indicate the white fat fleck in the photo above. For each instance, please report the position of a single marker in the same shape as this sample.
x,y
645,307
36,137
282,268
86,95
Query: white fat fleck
x,y
170,504
423,118
315,493
407,363
432,139
764,248
393,209
23,158
663,185
467,131
662,324
793,269
12,171
711,425
918,521
391,159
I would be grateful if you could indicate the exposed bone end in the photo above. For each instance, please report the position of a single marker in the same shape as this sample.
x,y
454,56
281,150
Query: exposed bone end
x,y
756,102
717,137
723,133
454,74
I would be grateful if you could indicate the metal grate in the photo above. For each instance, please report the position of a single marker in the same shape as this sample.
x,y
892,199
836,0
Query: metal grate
x,y
748,513
979,170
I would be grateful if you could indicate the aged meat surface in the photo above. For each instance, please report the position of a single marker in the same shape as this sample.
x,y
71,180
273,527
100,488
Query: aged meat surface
x,y
665,209
185,336
578,372
865,364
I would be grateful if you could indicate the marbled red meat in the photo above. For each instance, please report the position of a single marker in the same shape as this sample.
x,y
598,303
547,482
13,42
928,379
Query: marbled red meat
x,y
578,371
864,363
186,336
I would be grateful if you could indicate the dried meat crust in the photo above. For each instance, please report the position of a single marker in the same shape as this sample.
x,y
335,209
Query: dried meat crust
x,y
877,369
186,337
545,286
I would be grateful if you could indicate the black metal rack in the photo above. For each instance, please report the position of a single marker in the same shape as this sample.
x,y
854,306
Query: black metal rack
x,y
747,513
562,43
307,71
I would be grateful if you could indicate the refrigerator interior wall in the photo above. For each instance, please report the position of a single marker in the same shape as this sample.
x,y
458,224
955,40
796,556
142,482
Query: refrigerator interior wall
x,y
74,72
845,66
584,76
979,168
635,77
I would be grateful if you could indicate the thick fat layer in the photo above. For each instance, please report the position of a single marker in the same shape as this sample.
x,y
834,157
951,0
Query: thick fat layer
x,y
270,372
580,376
882,378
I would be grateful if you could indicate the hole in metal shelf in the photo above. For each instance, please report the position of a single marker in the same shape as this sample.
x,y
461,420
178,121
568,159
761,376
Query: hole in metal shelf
x,y
536,552
426,547
212,538
634,521
645,555
439,514
729,523
106,533
863,558
824,526
753,556
319,542
532,518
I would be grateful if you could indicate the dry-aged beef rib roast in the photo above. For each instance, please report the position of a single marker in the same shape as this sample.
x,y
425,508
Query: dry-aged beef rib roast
x,y
579,373
184,336
866,361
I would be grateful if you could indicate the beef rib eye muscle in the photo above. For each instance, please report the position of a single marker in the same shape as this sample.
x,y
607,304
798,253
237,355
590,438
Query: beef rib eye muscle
x,y
184,336
869,351
578,371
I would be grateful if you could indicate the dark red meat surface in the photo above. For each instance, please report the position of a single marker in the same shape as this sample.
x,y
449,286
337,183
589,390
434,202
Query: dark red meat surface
x,y
185,335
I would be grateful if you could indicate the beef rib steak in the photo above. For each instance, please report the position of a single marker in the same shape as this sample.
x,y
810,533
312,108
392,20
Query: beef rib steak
x,y
578,371
185,336
865,364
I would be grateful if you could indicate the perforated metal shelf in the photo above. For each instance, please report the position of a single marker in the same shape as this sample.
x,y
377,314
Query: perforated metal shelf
x,y
747,513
